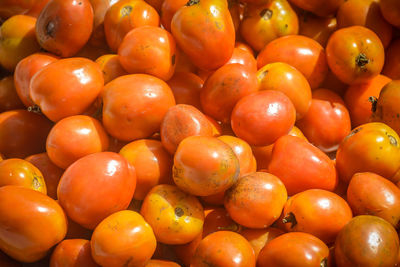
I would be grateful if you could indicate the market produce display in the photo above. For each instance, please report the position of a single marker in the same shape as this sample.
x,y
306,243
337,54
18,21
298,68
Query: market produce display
x,y
199,133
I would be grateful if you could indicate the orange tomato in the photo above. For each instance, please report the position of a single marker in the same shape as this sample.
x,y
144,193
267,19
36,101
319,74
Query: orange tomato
x,y
111,67
243,57
258,238
186,87
72,252
168,10
9,99
161,263
322,9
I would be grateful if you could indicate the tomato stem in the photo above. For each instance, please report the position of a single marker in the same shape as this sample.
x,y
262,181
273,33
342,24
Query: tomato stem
x,y
290,218
35,109
374,102
324,262
192,2
266,14
362,60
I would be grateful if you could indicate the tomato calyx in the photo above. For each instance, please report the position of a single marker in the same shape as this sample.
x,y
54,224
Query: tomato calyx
x,y
179,212
324,262
192,2
35,109
35,181
362,60
374,101
126,10
290,218
266,14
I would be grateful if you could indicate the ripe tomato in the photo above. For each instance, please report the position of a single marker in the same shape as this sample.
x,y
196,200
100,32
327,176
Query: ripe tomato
x,y
301,166
67,87
88,201
287,79
317,28
392,61
183,63
262,117
186,87
175,216
322,9
123,239
9,99
390,11
72,252
30,225
263,23
98,37
327,121
258,238
355,54
152,164
224,249
243,57
9,8
140,118
371,147
210,44
367,241
64,27
294,249
111,67
204,166
161,263
21,172
224,88
168,10
303,53
256,200
36,8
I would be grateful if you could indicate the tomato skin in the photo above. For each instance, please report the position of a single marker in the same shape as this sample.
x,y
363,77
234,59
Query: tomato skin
x,y
139,119
66,87
301,166
111,67
168,10
371,147
392,60
161,263
317,28
29,225
258,238
365,241
244,57
123,239
237,251
303,53
111,191
322,9
211,43
355,54
9,99
72,252
305,250
186,87
10,8
390,10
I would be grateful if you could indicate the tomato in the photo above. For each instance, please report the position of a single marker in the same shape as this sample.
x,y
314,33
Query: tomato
x,y
140,118
327,121
9,99
358,99
287,79
37,8
186,88
9,8
224,248
301,166
156,4
294,249
17,41
390,11
100,8
392,60
161,263
72,252
322,9
168,10
21,172
244,57
111,67
371,147
204,166
258,238
152,164
210,44
175,216
123,239
224,88
256,200
262,117
30,225
66,87
182,121
23,133
317,28
365,13
25,70
355,54
64,27
367,241
303,53
88,201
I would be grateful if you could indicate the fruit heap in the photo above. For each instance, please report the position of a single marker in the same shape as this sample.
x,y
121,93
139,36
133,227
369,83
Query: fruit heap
x,y
199,133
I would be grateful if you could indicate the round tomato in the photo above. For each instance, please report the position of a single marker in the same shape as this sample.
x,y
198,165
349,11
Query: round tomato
x,y
168,10
72,252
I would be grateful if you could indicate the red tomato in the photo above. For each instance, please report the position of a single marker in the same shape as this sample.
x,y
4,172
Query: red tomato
x,y
186,88
244,57
322,9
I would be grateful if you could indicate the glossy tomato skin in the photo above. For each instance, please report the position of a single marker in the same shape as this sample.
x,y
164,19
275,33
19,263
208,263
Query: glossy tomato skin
x,y
175,216
67,87
367,241
9,99
138,119
21,172
123,239
371,147
23,133
301,166
303,53
204,166
47,223
355,54
224,248
210,44
317,28
186,87
390,11
244,57
64,27
305,250
72,252
111,67
111,191
168,10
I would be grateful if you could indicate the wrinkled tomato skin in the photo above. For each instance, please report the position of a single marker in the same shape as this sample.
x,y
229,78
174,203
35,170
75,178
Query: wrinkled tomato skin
x,y
72,252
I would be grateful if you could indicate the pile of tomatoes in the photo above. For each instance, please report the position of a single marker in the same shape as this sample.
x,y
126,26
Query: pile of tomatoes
x,y
199,133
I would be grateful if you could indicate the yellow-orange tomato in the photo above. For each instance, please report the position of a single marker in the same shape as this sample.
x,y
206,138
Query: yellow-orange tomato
x,y
18,40
175,216
31,223
123,239
152,165
72,252
258,238
21,172
111,67
9,99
